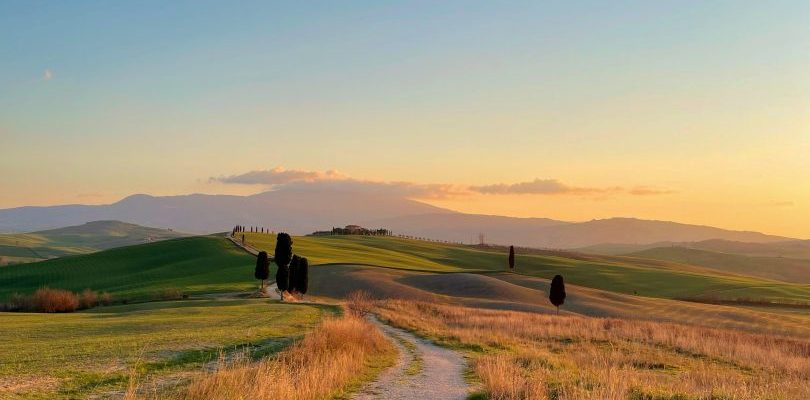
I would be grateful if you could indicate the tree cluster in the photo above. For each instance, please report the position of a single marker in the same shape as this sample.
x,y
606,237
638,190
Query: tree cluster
x,y
292,275
354,230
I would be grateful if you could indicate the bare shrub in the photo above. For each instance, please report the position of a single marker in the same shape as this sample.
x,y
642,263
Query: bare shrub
x,y
324,362
359,303
88,299
169,294
19,302
54,300
105,299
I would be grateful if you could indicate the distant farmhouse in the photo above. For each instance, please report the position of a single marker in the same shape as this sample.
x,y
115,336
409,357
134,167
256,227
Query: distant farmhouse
x,y
353,230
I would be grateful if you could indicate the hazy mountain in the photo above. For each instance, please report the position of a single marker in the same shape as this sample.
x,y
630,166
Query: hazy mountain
x,y
302,211
290,210
458,227
546,233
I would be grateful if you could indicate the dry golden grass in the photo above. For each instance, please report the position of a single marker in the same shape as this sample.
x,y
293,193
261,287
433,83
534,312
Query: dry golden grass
x,y
326,361
532,356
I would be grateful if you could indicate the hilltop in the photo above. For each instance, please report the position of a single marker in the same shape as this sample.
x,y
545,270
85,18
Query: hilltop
x,y
80,239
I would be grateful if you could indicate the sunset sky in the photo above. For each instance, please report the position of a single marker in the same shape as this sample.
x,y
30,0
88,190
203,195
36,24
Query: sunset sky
x,y
695,112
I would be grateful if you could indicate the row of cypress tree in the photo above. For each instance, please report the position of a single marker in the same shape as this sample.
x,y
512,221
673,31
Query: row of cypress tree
x,y
241,229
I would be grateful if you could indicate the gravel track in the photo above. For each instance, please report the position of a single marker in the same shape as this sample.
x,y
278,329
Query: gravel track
x,y
422,371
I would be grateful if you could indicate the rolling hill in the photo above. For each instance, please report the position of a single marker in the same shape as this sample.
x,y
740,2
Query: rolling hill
x,y
786,248
629,275
200,264
778,268
80,239
418,270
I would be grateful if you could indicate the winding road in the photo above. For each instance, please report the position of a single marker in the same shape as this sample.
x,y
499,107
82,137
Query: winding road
x,y
422,371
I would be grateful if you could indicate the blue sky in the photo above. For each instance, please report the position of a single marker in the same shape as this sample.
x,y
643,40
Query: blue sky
x,y
689,97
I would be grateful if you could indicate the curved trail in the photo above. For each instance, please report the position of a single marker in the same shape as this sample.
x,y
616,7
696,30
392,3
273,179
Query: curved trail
x,y
422,371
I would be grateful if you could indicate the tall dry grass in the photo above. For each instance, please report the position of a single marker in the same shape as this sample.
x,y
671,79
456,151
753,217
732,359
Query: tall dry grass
x,y
324,362
532,356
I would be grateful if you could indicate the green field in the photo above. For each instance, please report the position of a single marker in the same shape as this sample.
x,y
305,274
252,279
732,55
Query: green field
x,y
201,264
644,277
80,239
213,264
778,268
94,353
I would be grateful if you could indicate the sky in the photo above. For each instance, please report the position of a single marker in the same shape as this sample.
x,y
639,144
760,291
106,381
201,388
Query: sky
x,y
690,111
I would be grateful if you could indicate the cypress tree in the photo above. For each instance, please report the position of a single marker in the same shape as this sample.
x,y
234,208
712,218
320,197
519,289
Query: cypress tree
x,y
557,292
282,257
302,285
262,271
293,285
512,258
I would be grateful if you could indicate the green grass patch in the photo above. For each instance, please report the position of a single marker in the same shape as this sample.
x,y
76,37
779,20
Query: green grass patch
x,y
651,278
194,265
94,352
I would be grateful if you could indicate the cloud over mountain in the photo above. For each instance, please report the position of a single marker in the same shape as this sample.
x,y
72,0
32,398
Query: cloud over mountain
x,y
301,180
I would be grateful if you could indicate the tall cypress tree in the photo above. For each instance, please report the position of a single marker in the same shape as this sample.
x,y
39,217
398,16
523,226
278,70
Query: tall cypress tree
x,y
511,258
302,284
293,285
262,271
557,292
282,257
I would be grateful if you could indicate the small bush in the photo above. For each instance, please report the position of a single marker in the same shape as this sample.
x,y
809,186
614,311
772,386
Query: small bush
x,y
105,299
88,299
19,302
359,303
49,300
169,294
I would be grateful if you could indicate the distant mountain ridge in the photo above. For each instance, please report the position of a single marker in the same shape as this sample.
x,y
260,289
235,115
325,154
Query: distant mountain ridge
x,y
295,211
305,211
547,233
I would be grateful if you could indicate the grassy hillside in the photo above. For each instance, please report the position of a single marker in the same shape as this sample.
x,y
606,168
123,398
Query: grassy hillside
x,y
94,353
506,291
199,264
790,248
783,269
532,356
80,239
651,278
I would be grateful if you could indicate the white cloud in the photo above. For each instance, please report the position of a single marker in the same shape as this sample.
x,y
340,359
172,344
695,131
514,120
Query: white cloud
x,y
541,186
47,75
278,176
301,180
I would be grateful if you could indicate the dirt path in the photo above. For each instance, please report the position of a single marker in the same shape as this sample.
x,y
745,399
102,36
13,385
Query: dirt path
x,y
422,371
